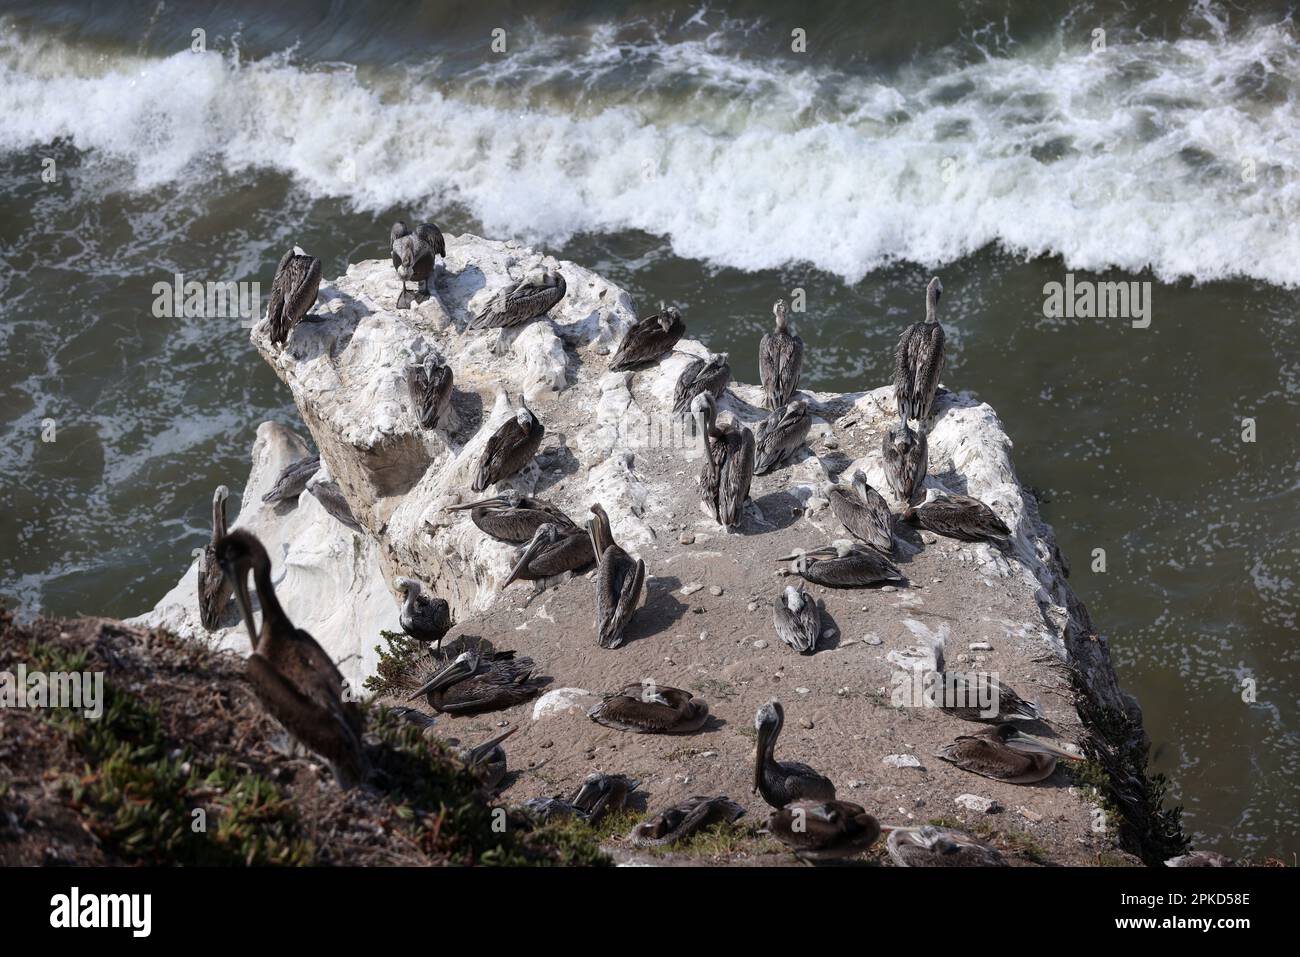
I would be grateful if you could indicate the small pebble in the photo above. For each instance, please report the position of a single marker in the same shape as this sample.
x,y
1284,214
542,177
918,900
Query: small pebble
x,y
704,636
901,761
888,588
929,538
802,690
687,538
806,724
973,802
1028,815
760,644
871,639
691,589
980,646
715,590
752,606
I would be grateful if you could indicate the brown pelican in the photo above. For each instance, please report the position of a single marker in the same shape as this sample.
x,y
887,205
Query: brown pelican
x,y
293,292
619,581
780,361
977,695
214,589
798,620
958,516
512,517
487,760
781,782
906,455
864,512
919,361
930,846
530,298
292,481
598,795
649,340
425,618
414,257
824,830
553,550
647,708
429,381
682,820
510,448
843,564
293,677
780,435
701,376
480,680
331,498
1004,754
1201,859
728,463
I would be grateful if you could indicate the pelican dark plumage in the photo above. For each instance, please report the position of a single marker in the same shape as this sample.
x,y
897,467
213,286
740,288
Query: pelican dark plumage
x,y
977,695
293,293
331,498
619,581
649,340
598,796
512,516
958,516
415,256
701,376
780,361
510,448
429,380
844,564
487,760
780,435
930,846
728,469
293,677
480,680
426,618
1005,754
918,362
530,298
782,782
292,480
553,550
647,708
214,588
684,819
797,619
824,830
864,512
906,454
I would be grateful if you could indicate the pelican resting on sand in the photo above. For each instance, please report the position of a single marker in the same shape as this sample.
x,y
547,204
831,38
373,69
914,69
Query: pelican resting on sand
x,y
797,619
977,696
780,435
293,293
824,830
429,380
292,480
512,516
597,796
863,511
214,588
511,447
958,516
487,760
728,467
553,550
530,298
1005,754
479,679
415,257
782,782
906,454
647,708
619,581
931,846
649,340
426,618
684,819
780,361
918,362
843,564
710,375
293,677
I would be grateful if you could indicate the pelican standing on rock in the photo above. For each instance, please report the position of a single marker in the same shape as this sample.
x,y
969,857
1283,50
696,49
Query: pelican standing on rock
x,y
426,618
728,467
414,257
797,619
781,782
906,454
930,846
647,708
553,550
619,581
824,830
294,678
214,588
429,381
842,564
293,293
292,480
958,516
649,340
780,435
864,512
512,516
480,680
530,298
918,361
1003,753
780,361
510,448
684,819
701,376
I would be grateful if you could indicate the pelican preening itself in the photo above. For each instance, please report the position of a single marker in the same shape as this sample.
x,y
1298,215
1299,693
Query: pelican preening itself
x,y
844,564
480,680
214,587
977,695
415,257
824,830
487,760
598,795
683,819
782,782
429,381
906,454
649,340
530,298
553,550
426,618
918,362
511,447
294,678
1003,753
512,516
728,467
701,376
864,512
797,619
930,846
647,708
293,293
958,516
292,480
619,581
780,361
780,435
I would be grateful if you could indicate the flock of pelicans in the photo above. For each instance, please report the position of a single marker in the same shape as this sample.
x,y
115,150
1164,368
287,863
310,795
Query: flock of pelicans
x,y
298,683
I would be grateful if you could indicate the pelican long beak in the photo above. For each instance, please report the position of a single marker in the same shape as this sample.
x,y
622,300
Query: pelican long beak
x,y
1028,743
495,500
764,735
238,578
481,752
531,549
454,672
816,553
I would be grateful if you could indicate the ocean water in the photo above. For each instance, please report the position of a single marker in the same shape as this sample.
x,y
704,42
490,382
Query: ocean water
x,y
693,156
